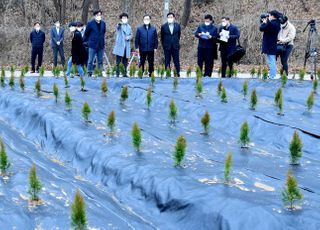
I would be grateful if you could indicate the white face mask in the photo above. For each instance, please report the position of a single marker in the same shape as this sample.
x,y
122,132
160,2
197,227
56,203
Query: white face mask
x,y
37,28
224,24
79,29
72,29
207,23
124,20
170,20
58,25
146,22
98,17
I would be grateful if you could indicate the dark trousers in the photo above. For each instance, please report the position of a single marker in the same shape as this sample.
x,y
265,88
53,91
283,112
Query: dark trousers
x,y
284,57
124,61
172,53
224,63
36,51
147,55
58,49
205,55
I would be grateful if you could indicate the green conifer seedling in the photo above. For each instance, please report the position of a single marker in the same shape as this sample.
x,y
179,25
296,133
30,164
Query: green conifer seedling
x,y
175,83
224,95
253,72
259,72
114,70
315,85
149,97
136,136
180,150
2,77
227,167
199,87
219,88
284,79
291,193
108,71
66,82
152,79
253,99
96,71
159,71
189,70
168,73
265,73
277,96
56,92
310,100
74,70
82,83
173,111
140,72
85,71
205,121
104,87
21,81
41,71
35,185
11,81
86,111
122,69
78,213
162,72
302,73
245,89
111,121
244,135
38,87
280,104
4,162
295,148
124,94
67,100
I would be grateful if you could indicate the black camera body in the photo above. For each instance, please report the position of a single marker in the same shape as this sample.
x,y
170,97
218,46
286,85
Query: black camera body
x,y
263,16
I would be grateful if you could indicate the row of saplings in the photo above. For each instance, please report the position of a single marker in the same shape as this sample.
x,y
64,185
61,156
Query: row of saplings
x,y
199,90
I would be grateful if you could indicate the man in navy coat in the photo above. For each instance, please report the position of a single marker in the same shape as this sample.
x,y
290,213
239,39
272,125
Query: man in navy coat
x,y
146,43
170,39
94,39
57,37
37,39
270,28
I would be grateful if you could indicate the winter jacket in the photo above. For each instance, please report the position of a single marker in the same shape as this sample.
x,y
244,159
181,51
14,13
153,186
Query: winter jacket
x,y
287,34
231,45
37,38
270,36
146,39
55,37
78,51
94,34
123,40
203,42
169,40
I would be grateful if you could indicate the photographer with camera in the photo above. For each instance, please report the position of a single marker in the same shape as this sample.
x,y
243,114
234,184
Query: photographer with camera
x,y
270,26
285,42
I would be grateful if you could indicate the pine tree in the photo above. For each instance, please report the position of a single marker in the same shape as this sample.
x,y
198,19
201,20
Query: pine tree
x,y
21,82
228,72
284,79
162,72
234,72
82,83
253,72
11,80
145,72
189,70
245,89
315,85
280,104
96,71
291,193
265,73
122,69
26,69
111,121
149,97
254,99
38,87
168,73
86,111
159,71
140,72
198,71
244,135
74,70
259,72
219,88
173,111
4,162
35,185
55,92
224,95
104,87
2,77
41,71
114,70
67,100
180,150
132,70
227,167
302,73
124,94
78,213
136,136
152,79
58,71
295,148
66,82
175,73
199,87
205,121
175,83
108,71
277,96
53,71
310,100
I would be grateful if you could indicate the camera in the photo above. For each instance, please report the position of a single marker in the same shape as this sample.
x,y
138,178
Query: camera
x,y
263,16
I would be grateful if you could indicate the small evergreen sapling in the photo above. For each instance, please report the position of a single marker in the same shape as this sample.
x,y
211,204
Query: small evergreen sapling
x,y
78,213
149,97
259,72
122,70
168,73
96,71
162,72
219,88
145,72
21,81
244,135
245,89
265,73
2,76
136,136
111,121
175,83
140,72
205,121
108,71
67,100
302,73
295,148
253,72
175,73
38,87
114,70
227,167
172,111
86,111
82,83
132,70
277,96
66,82
291,193
35,185
104,87
56,92
41,71
253,99
124,94
224,95
74,70
280,104
159,70
228,72
189,70
152,79
11,80
180,150
310,100
199,87
85,71
4,162
315,85
284,79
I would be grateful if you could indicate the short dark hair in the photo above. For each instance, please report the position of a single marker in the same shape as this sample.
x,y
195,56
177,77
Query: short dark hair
x,y
123,15
226,18
171,13
208,16
56,20
37,22
95,12
79,24
147,15
275,13
72,24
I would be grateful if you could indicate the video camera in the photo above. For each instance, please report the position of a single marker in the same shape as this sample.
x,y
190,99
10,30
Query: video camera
x,y
263,16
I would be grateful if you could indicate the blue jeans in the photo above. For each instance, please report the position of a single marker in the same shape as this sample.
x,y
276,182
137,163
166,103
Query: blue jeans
x,y
272,66
79,67
92,54
285,57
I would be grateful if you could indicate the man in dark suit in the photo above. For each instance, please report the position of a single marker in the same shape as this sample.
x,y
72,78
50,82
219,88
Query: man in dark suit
x,y
94,39
146,43
57,37
170,38
37,38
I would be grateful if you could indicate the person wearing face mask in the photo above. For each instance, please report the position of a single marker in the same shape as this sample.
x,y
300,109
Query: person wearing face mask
x,y
57,37
94,39
170,39
270,28
78,52
37,39
146,43
229,34
207,48
122,44
285,38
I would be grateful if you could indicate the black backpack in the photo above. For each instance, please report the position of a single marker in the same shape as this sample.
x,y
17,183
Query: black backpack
x,y
238,53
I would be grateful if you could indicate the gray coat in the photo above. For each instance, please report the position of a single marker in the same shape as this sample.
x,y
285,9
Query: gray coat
x,y
124,36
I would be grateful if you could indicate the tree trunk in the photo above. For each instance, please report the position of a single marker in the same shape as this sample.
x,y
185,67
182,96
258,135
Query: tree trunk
x,y
186,13
95,4
85,10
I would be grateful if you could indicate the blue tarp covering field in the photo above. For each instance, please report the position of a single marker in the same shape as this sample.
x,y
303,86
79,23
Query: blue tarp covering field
x,y
124,189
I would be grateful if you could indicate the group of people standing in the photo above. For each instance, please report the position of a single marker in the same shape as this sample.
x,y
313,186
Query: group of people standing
x,y
88,43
